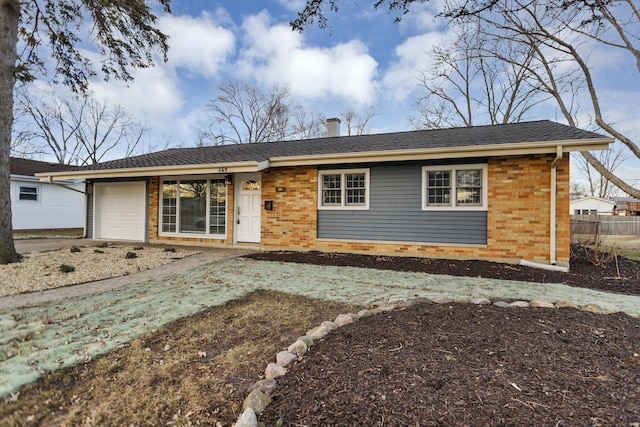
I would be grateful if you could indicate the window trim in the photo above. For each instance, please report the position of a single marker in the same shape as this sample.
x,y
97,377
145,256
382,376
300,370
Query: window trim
x,y
193,235
37,193
453,169
343,206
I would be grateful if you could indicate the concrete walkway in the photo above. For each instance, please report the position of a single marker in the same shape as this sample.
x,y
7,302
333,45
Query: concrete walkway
x,y
208,256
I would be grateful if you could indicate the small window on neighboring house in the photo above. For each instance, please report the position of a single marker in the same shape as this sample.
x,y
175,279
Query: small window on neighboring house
x,y
344,189
454,187
28,192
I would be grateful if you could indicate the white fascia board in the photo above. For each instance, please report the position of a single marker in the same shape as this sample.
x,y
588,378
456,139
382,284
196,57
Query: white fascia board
x,y
547,147
266,164
175,170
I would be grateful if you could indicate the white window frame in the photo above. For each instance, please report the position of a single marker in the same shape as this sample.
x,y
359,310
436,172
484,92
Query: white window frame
x,y
453,169
177,233
343,204
38,192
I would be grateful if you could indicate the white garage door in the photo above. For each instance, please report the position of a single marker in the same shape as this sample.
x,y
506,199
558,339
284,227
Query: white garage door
x,y
120,211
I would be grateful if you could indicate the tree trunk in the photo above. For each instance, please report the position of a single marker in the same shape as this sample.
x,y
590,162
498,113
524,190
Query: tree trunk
x,y
9,15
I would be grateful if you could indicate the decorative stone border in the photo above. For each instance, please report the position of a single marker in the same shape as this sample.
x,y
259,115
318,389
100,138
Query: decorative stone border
x,y
259,394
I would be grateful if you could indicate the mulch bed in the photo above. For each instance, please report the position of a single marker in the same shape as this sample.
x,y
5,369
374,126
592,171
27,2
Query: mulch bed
x,y
467,365
464,365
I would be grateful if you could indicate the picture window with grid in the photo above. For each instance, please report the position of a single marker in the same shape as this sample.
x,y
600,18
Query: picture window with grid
x,y
454,187
344,189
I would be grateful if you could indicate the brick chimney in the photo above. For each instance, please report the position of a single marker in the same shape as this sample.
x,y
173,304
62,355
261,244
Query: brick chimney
x,y
333,127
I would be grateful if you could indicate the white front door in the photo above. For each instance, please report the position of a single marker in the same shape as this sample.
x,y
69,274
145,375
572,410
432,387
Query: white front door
x,y
248,207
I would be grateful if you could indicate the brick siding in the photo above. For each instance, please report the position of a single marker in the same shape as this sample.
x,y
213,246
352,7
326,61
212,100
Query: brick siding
x,y
517,224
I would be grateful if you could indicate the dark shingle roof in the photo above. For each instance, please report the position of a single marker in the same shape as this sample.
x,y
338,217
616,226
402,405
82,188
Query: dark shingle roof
x,y
515,133
28,167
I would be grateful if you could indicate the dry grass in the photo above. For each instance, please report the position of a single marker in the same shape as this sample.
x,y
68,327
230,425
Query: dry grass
x,y
195,371
626,246
48,233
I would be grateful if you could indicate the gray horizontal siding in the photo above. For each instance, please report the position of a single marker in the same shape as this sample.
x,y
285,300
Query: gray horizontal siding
x,y
89,218
395,213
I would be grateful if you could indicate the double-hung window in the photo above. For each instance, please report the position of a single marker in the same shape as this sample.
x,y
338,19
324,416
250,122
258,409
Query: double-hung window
x,y
193,207
454,187
343,189
29,192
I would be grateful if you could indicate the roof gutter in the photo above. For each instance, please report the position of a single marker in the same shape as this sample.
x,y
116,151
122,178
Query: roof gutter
x,y
545,147
65,186
175,170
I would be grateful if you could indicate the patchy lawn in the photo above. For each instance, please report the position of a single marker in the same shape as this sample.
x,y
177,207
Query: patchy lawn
x,y
195,371
183,349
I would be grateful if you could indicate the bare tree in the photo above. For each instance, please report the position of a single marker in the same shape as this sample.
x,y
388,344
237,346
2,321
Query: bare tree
x,y
106,128
569,34
23,141
577,190
307,125
55,123
244,114
598,184
469,83
78,129
357,122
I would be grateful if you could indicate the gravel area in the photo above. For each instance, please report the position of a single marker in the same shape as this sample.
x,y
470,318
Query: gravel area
x,y
40,271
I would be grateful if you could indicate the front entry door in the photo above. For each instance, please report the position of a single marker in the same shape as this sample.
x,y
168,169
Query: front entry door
x,y
248,208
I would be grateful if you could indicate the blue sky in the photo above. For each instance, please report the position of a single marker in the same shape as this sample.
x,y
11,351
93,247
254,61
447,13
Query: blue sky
x,y
364,60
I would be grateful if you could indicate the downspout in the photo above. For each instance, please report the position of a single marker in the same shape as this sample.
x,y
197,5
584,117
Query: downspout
x,y
86,211
552,209
52,182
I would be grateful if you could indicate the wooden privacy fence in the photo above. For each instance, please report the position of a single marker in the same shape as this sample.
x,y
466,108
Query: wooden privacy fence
x,y
605,225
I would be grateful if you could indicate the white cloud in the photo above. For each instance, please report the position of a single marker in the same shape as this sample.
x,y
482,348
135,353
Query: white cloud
x,y
293,5
198,47
275,54
412,56
197,43
152,97
422,18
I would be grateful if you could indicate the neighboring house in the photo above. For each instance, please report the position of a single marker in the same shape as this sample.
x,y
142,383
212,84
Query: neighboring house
x,y
38,205
591,206
486,192
627,206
